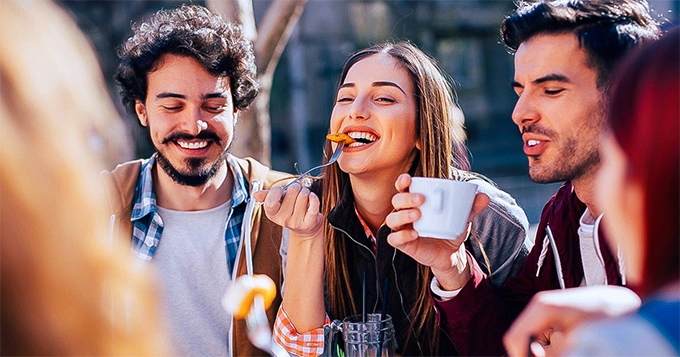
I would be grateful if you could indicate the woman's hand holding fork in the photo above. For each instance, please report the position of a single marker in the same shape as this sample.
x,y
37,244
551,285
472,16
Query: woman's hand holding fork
x,y
298,210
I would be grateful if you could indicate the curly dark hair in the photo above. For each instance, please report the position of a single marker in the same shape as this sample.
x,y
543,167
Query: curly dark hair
x,y
606,29
190,30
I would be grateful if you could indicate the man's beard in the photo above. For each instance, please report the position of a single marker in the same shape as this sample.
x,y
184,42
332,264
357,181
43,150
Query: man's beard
x,y
575,164
575,158
197,174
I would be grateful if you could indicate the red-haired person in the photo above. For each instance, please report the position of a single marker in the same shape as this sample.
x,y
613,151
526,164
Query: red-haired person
x,y
639,187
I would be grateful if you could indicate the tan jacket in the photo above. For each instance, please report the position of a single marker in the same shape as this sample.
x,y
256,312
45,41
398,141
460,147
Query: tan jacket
x,y
265,236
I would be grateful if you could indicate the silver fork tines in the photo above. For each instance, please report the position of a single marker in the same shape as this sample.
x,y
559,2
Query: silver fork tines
x,y
334,158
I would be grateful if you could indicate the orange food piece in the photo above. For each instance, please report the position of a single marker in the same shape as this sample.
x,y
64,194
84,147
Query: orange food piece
x,y
239,296
340,137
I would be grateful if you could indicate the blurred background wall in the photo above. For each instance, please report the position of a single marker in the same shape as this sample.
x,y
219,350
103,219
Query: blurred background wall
x,y
461,34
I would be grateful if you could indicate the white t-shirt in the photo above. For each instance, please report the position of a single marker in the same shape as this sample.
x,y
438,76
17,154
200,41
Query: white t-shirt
x,y
593,265
192,274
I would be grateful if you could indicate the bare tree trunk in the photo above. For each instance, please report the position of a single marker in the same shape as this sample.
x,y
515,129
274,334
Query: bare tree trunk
x,y
253,133
240,11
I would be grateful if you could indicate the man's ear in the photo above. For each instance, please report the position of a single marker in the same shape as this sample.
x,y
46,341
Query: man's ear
x,y
236,113
140,109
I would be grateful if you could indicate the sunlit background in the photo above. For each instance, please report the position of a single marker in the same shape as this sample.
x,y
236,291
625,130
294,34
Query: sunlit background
x,y
462,35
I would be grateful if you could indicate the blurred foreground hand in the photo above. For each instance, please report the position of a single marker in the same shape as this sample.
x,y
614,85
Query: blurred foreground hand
x,y
552,316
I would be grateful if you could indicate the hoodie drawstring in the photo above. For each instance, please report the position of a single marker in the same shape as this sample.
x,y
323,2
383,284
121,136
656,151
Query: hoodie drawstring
x,y
549,240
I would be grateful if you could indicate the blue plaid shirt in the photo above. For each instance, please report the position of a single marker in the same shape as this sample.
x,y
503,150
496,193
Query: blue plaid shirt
x,y
148,224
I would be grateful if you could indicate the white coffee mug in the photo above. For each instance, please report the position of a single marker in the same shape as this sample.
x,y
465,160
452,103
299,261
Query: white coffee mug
x,y
447,206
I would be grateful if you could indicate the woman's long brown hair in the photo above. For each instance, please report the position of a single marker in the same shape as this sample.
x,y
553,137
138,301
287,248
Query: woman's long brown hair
x,y
439,126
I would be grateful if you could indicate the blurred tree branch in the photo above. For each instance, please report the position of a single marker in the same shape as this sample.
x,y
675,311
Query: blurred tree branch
x,y
253,133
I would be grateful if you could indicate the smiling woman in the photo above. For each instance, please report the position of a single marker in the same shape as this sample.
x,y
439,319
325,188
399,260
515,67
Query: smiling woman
x,y
399,107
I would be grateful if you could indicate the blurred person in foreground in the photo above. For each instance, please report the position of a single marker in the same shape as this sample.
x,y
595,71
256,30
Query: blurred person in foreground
x,y
185,74
65,288
639,187
565,53
398,104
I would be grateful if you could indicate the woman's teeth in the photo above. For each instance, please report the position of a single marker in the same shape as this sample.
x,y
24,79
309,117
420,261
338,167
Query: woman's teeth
x,y
362,138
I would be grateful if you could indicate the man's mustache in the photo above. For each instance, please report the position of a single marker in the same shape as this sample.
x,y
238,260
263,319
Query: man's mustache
x,y
203,135
533,128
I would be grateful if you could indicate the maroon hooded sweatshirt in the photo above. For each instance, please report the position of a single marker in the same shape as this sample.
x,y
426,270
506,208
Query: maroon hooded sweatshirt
x,y
476,319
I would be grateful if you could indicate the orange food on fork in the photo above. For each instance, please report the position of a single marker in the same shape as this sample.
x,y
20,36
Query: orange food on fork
x,y
340,137
239,296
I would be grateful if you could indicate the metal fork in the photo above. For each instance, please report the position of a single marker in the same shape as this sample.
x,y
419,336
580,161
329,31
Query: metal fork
x,y
334,158
259,332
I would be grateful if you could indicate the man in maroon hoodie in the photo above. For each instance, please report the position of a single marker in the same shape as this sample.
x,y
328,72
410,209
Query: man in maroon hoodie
x,y
565,54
